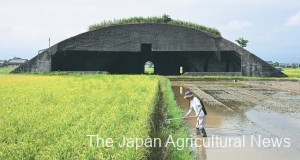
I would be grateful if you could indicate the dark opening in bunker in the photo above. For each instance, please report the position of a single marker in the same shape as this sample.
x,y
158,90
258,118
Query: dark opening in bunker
x,y
146,47
166,63
149,67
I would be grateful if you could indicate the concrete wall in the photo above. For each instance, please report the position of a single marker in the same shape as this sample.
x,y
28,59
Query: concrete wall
x,y
251,64
128,38
39,63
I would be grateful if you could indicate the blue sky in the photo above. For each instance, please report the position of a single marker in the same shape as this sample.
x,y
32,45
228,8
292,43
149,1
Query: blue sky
x,y
271,26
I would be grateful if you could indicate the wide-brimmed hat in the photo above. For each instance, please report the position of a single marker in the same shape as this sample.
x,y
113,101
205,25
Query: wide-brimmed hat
x,y
188,94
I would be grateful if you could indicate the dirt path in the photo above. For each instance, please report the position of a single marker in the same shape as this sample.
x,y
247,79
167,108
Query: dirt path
x,y
287,86
250,112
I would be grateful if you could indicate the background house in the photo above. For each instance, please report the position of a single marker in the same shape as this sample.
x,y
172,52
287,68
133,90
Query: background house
x,y
16,61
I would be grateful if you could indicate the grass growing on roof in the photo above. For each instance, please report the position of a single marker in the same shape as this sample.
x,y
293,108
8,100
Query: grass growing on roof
x,y
165,19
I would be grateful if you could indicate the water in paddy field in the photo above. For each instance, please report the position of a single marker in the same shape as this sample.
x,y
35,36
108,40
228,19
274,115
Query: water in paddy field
x,y
254,133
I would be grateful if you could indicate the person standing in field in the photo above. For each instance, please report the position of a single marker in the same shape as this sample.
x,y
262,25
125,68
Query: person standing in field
x,y
198,107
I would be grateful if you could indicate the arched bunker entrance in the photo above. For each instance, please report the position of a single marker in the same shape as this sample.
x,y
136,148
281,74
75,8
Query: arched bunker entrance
x,y
166,63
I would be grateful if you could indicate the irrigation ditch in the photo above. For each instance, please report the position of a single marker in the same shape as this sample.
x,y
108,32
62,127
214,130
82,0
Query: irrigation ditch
x,y
165,108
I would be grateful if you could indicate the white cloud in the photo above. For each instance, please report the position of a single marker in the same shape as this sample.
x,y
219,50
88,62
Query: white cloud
x,y
28,24
237,24
293,20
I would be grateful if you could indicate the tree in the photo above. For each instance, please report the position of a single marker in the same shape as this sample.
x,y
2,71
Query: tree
x,y
295,65
276,64
242,42
166,18
5,63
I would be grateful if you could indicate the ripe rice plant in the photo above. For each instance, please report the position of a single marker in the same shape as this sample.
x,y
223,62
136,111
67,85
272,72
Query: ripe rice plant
x,y
49,117
292,72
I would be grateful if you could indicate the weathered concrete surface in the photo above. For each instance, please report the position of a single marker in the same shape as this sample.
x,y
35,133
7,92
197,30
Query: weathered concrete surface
x,y
118,49
39,63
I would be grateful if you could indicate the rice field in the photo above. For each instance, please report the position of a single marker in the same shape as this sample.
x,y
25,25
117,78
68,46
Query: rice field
x,y
50,117
292,72
149,70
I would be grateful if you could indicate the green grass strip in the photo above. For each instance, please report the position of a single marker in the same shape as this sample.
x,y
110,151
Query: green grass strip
x,y
177,129
6,70
228,78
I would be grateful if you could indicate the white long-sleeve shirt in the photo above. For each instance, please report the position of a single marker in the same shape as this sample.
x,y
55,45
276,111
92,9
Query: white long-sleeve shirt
x,y
196,106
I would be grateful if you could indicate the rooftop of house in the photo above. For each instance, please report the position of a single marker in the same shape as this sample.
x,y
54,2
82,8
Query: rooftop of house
x,y
17,60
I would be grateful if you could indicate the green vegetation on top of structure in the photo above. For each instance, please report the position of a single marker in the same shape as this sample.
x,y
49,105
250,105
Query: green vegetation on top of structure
x,y
165,19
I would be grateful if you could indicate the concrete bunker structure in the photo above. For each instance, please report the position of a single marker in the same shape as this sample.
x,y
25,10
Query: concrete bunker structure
x,y
124,49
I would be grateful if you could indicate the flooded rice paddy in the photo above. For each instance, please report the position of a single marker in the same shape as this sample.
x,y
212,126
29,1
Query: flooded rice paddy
x,y
245,120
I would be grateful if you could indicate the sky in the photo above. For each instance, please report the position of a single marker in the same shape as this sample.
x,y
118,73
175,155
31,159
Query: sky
x,y
271,26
